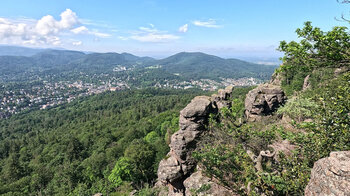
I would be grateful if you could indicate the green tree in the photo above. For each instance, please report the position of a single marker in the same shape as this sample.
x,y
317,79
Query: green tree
x,y
142,156
121,172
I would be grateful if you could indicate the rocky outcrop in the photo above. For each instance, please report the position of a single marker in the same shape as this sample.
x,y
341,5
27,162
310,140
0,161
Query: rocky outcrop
x,y
330,176
221,99
276,79
306,84
263,100
198,184
179,164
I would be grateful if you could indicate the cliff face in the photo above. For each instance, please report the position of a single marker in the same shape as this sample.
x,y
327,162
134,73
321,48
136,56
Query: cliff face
x,y
176,172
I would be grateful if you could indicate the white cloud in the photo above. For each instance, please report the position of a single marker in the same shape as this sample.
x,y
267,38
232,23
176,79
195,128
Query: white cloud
x,y
151,34
101,35
155,37
123,38
77,43
211,23
45,31
85,30
47,25
184,28
79,30
147,29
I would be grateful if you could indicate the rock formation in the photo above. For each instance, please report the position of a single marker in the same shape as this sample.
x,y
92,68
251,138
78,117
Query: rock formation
x,y
179,166
198,184
330,176
306,84
263,100
276,79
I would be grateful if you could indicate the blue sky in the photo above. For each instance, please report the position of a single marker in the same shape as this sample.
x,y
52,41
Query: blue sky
x,y
158,28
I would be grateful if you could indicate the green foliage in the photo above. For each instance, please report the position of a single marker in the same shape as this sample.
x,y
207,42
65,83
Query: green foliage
x,y
231,165
147,190
121,172
151,137
91,145
299,108
316,49
141,156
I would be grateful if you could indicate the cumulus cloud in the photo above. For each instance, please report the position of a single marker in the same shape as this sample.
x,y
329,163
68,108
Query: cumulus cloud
x,y
151,34
184,28
211,23
45,31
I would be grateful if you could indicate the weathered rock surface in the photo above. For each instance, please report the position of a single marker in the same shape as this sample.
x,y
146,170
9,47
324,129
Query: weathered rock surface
x,y
198,184
276,79
306,83
263,100
169,169
220,100
283,146
330,176
179,166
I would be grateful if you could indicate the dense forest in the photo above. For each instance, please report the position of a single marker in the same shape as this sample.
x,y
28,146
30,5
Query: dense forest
x,y
73,148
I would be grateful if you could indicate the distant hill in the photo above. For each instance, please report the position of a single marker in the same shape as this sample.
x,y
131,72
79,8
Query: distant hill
x,y
50,58
18,51
200,65
186,66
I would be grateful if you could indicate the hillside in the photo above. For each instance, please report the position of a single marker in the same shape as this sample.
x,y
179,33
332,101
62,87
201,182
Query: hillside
x,y
18,51
189,66
71,149
199,65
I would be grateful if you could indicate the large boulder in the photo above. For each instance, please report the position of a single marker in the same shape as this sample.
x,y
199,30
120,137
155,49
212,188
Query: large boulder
x,y
263,100
198,184
330,176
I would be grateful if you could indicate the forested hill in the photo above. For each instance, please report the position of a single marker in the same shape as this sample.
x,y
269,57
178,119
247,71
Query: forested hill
x,y
184,65
197,65
71,149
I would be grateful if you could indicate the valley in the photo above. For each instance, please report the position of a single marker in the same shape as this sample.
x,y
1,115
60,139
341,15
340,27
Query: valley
x,y
52,77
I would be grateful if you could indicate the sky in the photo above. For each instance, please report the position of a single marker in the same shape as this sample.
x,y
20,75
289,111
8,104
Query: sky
x,y
159,28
